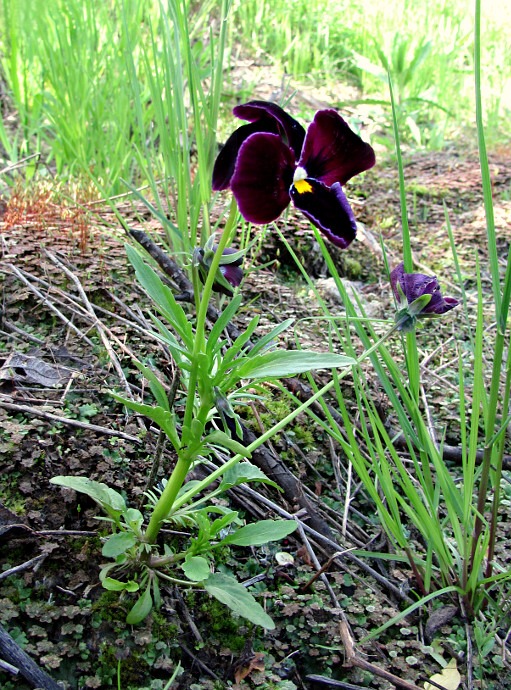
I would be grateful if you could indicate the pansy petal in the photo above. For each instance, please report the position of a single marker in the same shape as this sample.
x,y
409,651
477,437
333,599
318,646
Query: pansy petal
x,y
413,285
396,276
416,284
226,159
262,176
232,273
327,208
332,152
292,130
439,304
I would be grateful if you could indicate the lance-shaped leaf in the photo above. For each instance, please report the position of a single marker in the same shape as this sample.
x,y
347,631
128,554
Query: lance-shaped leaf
x,y
101,493
231,593
224,318
261,532
142,607
267,339
283,363
155,384
157,414
161,295
219,438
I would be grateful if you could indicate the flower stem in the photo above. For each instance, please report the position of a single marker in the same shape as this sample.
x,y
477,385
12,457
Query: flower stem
x,y
490,423
166,500
191,445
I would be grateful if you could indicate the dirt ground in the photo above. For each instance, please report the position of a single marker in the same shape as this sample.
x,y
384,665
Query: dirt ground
x,y
71,315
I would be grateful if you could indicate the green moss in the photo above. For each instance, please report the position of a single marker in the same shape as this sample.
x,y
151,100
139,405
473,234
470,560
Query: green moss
x,y
229,631
108,609
9,494
353,269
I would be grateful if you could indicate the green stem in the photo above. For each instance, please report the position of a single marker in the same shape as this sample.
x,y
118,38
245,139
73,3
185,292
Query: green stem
x,y
412,358
490,423
199,345
166,500
498,476
223,242
192,445
275,429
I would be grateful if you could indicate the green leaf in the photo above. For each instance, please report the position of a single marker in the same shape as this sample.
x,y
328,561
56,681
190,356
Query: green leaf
x,y
163,418
142,607
161,295
236,348
231,593
98,491
180,354
156,386
114,585
196,568
245,472
224,318
261,532
118,543
283,363
220,438
221,523
156,593
267,339
133,518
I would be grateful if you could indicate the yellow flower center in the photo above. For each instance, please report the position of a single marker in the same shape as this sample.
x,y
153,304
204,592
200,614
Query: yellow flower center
x,y
302,186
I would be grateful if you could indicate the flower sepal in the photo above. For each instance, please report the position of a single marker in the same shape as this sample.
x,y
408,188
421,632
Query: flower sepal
x,y
418,305
405,322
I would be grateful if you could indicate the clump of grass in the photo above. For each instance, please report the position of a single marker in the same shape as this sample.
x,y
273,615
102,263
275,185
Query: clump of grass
x,y
117,92
427,48
453,512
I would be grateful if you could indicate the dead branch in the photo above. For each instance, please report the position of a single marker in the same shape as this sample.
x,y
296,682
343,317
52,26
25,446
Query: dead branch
x,y
96,323
12,653
65,420
22,566
49,304
351,659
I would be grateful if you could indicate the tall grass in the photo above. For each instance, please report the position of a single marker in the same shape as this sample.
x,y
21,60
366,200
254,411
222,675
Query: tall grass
x,y
442,520
121,91
427,47
87,82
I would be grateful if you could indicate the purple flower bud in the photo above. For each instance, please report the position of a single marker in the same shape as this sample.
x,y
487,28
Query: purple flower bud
x,y
418,296
229,272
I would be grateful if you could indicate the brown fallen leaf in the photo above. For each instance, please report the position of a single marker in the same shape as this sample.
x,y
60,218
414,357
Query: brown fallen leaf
x,y
449,678
256,663
30,369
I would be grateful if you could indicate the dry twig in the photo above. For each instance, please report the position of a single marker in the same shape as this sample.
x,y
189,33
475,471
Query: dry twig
x,y
65,420
351,659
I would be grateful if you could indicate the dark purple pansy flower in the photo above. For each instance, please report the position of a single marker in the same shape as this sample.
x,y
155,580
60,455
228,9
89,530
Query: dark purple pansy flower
x,y
418,296
272,160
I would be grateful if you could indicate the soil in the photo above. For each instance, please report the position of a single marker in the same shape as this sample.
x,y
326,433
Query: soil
x,y
56,374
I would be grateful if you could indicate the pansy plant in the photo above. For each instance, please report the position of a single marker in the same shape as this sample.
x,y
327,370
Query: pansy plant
x,y
273,160
214,376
